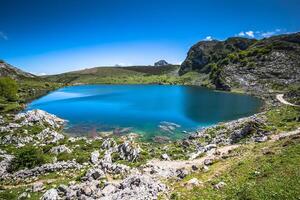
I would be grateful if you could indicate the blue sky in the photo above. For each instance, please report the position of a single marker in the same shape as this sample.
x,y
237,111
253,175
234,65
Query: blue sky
x,y
53,36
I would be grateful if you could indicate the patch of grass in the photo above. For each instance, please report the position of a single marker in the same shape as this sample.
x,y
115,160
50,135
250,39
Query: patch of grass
x,y
28,157
251,175
284,118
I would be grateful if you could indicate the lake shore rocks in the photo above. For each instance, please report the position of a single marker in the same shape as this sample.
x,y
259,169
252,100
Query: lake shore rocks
x,y
232,132
39,117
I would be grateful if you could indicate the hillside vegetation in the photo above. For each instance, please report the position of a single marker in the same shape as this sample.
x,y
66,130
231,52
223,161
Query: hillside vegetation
x,y
18,87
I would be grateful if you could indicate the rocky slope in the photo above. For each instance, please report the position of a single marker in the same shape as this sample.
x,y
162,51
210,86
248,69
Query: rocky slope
x,y
13,72
255,66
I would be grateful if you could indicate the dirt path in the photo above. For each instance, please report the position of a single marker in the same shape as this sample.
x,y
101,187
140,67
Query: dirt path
x,y
178,164
285,134
280,98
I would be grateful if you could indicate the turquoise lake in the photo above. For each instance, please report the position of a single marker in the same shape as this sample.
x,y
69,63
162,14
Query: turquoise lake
x,y
151,110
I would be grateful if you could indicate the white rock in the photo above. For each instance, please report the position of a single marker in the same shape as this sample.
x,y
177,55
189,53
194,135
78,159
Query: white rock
x,y
220,185
51,194
165,156
194,182
36,187
95,157
60,149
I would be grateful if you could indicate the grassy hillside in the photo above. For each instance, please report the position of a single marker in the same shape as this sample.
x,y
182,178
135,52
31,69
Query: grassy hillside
x,y
124,75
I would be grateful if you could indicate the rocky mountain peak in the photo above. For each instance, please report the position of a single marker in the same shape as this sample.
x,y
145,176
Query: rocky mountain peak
x,y
161,63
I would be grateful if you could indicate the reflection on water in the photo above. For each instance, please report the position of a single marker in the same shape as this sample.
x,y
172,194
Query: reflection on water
x,y
147,109
204,106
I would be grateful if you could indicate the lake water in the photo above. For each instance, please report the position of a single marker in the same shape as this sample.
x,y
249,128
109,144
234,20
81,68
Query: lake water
x,y
151,110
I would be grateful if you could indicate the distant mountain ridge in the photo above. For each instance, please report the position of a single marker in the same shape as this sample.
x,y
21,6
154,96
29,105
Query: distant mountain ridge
x,y
257,66
13,72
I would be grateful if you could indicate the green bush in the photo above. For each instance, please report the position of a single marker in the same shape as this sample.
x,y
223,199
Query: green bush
x,y
8,88
27,157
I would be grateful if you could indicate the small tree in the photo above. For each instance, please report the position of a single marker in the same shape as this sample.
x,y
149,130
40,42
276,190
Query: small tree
x,y
8,88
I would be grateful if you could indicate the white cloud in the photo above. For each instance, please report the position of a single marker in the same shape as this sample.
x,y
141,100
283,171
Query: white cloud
x,y
208,38
260,34
268,34
271,33
242,34
3,36
38,74
250,34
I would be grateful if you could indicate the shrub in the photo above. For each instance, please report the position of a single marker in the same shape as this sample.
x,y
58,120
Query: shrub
x,y
8,88
27,157
233,57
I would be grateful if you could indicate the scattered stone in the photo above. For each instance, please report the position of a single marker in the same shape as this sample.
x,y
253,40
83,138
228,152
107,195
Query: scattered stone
x,y
23,196
36,187
208,161
261,139
181,173
205,168
62,188
1,120
194,182
95,157
108,143
194,167
51,194
60,149
220,185
114,168
94,174
165,156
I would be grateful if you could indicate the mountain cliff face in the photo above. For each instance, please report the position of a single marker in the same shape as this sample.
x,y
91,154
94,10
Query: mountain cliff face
x,y
13,72
256,66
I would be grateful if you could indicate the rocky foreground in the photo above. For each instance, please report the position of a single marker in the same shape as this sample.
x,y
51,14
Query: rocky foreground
x,y
114,168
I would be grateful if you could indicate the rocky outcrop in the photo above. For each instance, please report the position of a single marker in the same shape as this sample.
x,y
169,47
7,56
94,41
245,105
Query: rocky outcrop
x,y
5,162
139,187
256,66
49,136
95,157
108,143
52,167
39,117
129,151
232,132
